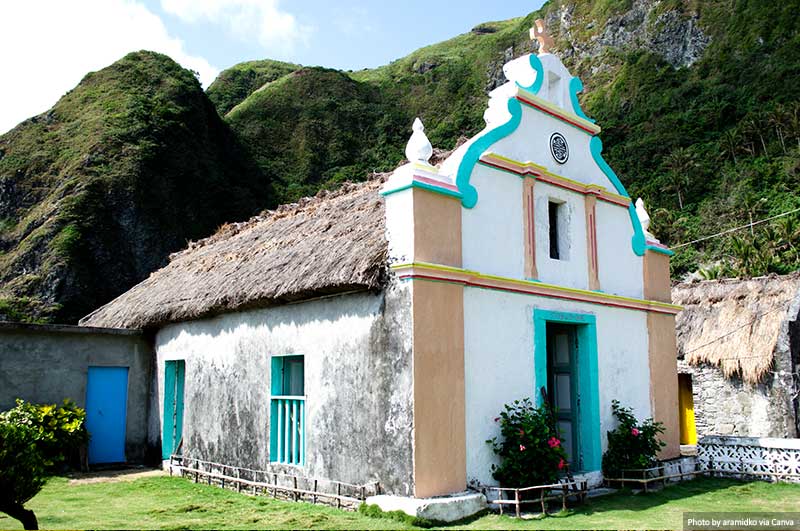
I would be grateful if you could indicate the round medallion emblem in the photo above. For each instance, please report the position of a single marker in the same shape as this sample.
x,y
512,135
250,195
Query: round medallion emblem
x,y
559,148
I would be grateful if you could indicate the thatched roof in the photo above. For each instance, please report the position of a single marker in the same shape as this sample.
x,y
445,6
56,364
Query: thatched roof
x,y
330,243
734,324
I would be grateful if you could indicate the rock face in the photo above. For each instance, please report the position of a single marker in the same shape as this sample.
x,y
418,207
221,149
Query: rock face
x,y
669,33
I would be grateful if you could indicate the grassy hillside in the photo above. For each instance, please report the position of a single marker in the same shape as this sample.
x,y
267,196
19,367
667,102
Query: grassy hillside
x,y
236,83
95,193
697,100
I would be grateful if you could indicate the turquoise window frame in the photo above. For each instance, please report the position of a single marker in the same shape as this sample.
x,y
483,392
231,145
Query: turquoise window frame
x,y
279,404
174,382
587,375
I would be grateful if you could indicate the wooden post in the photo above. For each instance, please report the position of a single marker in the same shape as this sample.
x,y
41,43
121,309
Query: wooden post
x,y
500,498
296,496
516,500
275,485
339,495
541,501
314,498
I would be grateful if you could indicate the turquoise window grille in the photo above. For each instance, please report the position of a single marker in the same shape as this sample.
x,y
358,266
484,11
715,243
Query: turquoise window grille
x,y
287,439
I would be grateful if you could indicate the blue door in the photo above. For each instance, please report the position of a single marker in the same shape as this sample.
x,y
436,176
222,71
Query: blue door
x,y
106,400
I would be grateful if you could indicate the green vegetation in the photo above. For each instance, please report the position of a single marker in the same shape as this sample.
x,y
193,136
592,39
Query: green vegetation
x,y
236,83
530,451
34,440
631,445
708,146
136,160
169,502
99,190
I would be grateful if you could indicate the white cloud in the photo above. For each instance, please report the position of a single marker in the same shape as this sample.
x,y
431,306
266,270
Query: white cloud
x,y
276,30
47,46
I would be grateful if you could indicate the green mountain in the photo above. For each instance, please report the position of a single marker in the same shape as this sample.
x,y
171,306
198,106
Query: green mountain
x,y
123,170
697,100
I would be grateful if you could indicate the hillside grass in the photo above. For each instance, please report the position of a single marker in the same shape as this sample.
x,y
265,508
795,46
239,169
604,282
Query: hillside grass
x,y
165,502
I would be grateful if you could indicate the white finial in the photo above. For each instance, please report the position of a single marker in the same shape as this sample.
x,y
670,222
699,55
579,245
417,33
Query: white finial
x,y
419,148
644,218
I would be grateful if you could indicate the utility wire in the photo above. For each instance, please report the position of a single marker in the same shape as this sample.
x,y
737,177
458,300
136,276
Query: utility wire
x,y
723,336
753,224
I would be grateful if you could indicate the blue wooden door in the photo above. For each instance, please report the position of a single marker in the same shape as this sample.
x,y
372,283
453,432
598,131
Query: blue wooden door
x,y
106,401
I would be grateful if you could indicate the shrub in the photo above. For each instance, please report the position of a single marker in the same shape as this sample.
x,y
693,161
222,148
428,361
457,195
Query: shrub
x,y
22,471
631,445
530,451
58,432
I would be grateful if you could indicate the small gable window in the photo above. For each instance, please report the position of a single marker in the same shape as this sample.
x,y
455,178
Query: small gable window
x,y
553,215
287,410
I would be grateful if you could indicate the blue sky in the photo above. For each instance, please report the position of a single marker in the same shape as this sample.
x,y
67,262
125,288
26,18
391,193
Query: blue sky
x,y
47,46
345,34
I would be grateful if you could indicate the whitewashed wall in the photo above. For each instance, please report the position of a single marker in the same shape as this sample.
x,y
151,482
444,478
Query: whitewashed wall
x,y
619,269
499,363
492,231
358,382
571,269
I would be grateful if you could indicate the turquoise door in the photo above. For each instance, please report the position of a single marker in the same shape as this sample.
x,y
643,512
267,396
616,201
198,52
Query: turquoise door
x,y
106,408
172,432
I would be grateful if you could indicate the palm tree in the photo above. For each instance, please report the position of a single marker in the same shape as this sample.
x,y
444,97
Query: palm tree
x,y
680,163
729,142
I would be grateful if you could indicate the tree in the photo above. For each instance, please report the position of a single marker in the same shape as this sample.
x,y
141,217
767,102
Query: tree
x,y
681,163
22,471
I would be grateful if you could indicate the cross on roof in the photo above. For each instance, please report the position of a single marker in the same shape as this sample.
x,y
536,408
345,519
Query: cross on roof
x,y
539,33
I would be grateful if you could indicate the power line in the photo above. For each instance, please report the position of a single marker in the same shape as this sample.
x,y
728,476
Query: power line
x,y
752,224
723,336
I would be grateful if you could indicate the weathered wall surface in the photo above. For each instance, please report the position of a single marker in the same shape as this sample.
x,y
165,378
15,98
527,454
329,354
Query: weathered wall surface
x,y
728,406
358,384
499,364
48,363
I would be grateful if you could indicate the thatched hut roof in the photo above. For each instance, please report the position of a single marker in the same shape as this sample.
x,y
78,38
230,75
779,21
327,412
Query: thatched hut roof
x,y
734,324
330,243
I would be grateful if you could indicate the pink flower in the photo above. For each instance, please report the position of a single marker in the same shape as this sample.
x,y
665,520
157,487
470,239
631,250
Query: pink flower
x,y
521,448
561,464
553,442
635,432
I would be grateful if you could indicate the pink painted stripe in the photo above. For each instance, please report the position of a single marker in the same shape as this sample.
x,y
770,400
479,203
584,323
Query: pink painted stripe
x,y
434,182
556,115
544,178
543,292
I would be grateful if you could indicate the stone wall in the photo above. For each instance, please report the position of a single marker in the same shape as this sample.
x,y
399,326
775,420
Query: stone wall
x,y
48,363
728,406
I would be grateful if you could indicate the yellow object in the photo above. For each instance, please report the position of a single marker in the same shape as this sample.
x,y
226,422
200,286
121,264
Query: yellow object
x,y
686,405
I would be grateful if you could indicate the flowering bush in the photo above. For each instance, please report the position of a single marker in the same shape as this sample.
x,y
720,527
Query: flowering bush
x,y
530,453
631,445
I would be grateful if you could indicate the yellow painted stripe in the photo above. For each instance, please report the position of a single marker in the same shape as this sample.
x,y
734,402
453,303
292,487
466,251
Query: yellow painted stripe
x,y
520,167
587,294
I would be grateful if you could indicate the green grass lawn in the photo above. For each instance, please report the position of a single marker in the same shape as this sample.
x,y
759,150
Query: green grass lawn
x,y
163,502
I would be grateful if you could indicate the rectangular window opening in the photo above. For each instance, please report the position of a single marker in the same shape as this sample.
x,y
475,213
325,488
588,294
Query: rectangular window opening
x,y
553,210
287,410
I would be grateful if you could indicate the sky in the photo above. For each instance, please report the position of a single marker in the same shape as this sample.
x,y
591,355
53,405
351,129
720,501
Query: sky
x,y
47,46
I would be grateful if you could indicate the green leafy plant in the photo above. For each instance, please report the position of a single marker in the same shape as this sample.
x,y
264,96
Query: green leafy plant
x,y
530,451
58,431
22,471
631,445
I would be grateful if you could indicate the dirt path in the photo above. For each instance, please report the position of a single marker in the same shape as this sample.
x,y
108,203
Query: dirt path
x,y
109,476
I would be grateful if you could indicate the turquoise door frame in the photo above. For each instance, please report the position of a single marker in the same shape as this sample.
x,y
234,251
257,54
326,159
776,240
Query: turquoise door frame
x,y
587,374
